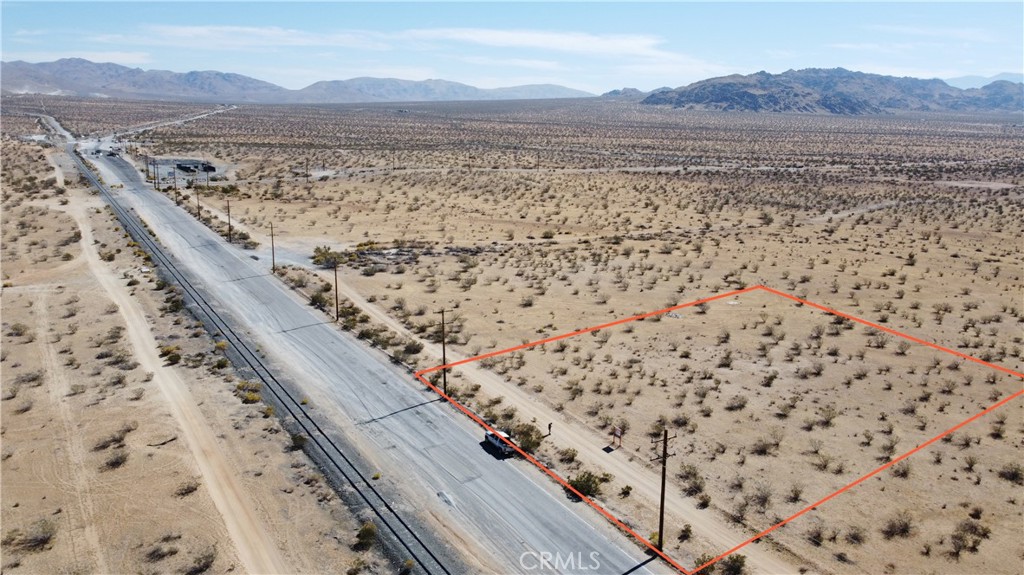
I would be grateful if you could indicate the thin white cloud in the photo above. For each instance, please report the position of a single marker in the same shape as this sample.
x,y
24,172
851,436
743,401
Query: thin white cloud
x,y
247,37
514,62
244,37
642,54
114,57
624,53
573,42
877,47
962,34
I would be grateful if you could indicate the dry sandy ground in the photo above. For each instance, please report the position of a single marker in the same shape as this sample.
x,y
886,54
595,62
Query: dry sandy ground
x,y
114,461
915,227
774,406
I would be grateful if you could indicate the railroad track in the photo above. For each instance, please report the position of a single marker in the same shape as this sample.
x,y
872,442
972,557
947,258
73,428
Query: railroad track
x,y
318,439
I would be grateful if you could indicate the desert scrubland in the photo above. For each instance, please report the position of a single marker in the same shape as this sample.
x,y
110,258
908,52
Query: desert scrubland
x,y
529,220
128,444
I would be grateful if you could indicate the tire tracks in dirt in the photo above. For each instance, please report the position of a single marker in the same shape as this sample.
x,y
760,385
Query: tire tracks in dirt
x,y
80,486
256,550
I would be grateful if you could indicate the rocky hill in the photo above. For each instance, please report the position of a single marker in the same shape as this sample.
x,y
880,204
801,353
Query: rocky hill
x,y
631,94
838,91
78,77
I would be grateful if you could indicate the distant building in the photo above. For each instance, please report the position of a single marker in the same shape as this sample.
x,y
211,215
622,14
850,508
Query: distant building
x,y
193,166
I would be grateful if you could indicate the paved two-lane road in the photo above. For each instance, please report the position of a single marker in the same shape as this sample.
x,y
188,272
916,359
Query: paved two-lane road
x,y
431,459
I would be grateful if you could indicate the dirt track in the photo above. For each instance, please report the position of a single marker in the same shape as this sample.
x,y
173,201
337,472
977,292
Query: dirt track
x,y
255,548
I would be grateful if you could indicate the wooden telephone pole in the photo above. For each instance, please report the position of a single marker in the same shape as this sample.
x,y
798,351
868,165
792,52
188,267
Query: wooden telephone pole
x,y
273,259
337,308
664,472
229,221
444,355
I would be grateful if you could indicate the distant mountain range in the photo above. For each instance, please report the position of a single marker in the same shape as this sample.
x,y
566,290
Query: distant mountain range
x,y
814,90
965,82
837,91
632,93
78,77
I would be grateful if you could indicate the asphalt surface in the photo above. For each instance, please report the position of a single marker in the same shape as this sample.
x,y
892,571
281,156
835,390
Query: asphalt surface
x,y
432,459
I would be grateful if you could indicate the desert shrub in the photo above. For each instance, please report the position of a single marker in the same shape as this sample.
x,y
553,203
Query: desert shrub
x,y
736,403
899,525
366,535
587,483
967,537
796,491
357,566
248,391
168,350
202,562
693,483
528,437
319,300
855,535
116,460
567,455
116,439
686,532
710,569
187,488
33,378
901,469
160,552
36,538
815,534
1012,472
734,564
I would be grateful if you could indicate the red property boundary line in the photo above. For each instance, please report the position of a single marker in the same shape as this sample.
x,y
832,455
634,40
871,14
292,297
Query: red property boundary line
x,y
621,525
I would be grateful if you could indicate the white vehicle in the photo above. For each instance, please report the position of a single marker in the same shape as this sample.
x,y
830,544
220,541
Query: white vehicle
x,y
495,439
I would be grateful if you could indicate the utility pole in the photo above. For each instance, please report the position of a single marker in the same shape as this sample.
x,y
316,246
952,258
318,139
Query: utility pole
x,y
664,470
307,170
199,207
337,308
273,260
444,356
229,220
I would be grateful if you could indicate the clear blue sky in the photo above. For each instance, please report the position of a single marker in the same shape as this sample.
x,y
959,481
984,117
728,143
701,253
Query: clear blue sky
x,y
590,46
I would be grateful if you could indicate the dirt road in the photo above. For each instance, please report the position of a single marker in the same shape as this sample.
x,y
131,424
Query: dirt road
x,y
255,548
591,447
